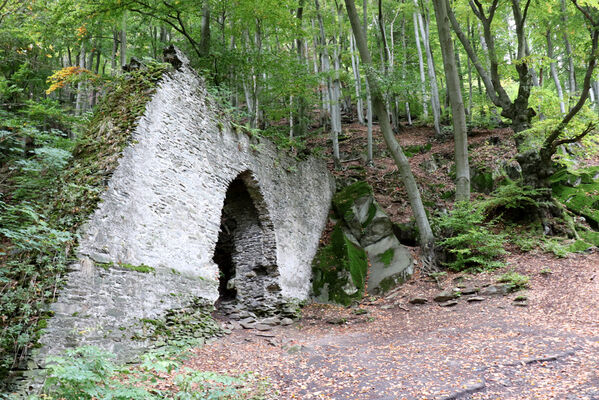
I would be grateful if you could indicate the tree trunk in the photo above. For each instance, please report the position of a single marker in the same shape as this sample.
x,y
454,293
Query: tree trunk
x,y
427,240
205,34
115,49
432,76
357,80
299,128
124,39
568,49
369,156
457,105
330,91
553,68
79,107
421,66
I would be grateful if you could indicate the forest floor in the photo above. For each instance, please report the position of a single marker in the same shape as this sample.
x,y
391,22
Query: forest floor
x,y
491,349
546,347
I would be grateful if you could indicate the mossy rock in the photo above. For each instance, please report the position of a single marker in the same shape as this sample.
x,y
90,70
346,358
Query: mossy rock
x,y
579,191
339,270
344,200
582,200
579,246
590,237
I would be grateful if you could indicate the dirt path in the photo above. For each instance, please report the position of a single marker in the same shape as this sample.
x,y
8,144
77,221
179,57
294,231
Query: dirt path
x,y
481,350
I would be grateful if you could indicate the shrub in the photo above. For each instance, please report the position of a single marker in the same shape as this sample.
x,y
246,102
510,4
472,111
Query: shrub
x,y
466,239
512,202
89,373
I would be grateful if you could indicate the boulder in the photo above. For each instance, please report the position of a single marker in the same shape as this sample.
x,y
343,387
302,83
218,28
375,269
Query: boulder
x,y
390,264
418,300
339,270
363,233
376,228
445,295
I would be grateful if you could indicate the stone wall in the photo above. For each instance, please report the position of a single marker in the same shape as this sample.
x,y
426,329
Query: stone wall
x,y
149,246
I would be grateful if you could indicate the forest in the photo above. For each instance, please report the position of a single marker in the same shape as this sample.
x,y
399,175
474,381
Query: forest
x,y
474,123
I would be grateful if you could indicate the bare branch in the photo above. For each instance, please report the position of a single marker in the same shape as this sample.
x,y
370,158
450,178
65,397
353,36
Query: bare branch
x,y
575,139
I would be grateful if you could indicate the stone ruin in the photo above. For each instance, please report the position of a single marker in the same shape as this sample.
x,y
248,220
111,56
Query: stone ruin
x,y
196,209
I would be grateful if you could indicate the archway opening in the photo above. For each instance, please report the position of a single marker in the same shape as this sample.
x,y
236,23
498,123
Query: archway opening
x,y
245,250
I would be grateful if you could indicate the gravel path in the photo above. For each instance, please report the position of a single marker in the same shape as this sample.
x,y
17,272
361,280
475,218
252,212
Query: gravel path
x,y
481,350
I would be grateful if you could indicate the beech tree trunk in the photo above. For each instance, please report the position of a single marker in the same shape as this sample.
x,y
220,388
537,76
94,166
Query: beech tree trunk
x,y
204,45
568,49
553,69
330,91
432,76
369,156
455,98
357,80
421,67
427,241
124,40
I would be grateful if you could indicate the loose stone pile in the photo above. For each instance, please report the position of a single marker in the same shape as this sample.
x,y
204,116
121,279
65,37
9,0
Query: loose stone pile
x,y
240,317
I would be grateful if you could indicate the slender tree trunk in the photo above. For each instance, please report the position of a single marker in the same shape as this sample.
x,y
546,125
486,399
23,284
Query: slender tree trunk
x,y
79,107
115,49
457,105
553,68
357,80
369,156
330,91
124,39
404,64
205,34
469,65
432,76
568,49
427,240
421,66
299,129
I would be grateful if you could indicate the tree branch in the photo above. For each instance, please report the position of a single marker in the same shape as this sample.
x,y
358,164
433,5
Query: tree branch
x,y
575,139
551,143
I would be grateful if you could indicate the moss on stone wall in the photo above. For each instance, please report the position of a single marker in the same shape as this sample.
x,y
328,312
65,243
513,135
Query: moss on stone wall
x,y
80,184
187,326
340,268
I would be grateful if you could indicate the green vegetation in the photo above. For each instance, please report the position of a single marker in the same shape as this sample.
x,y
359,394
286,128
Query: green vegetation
x,y
387,257
341,266
346,197
514,280
579,192
88,373
47,197
183,327
467,240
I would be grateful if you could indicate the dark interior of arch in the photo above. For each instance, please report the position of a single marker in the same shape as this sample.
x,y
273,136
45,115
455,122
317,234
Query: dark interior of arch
x,y
245,250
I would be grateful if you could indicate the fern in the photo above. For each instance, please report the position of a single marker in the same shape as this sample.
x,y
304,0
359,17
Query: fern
x,y
467,241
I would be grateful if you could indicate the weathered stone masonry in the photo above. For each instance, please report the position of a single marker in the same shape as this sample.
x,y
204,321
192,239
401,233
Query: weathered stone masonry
x,y
163,209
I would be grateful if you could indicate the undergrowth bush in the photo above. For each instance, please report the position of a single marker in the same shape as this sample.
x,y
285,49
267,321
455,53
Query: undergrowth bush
x,y
89,373
467,240
512,202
